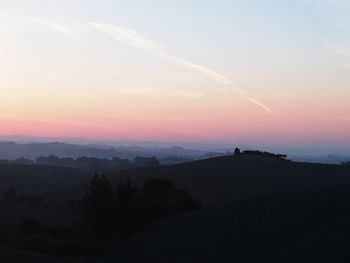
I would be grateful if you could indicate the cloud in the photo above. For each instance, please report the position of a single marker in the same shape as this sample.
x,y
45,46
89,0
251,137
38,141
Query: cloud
x,y
194,95
154,91
135,39
261,105
187,64
129,37
48,23
139,91
143,116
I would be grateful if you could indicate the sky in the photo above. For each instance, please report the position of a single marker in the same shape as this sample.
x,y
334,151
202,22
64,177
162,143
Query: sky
x,y
272,71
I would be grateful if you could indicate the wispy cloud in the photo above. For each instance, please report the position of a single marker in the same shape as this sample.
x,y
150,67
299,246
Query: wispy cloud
x,y
129,37
262,106
154,91
48,23
143,116
137,40
189,94
133,38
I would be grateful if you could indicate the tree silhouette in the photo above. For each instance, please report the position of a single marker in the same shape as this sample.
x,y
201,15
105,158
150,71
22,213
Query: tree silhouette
x,y
98,203
237,151
122,210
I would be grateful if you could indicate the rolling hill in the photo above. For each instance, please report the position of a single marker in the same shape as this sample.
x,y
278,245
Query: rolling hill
x,y
303,227
255,210
221,180
55,183
254,207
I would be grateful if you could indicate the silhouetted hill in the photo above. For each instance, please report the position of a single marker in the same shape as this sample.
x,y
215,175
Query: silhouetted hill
x,y
255,207
223,179
259,209
49,181
303,227
211,181
10,255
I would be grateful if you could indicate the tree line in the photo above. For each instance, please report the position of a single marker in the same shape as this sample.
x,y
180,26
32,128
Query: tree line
x,y
125,208
105,212
89,163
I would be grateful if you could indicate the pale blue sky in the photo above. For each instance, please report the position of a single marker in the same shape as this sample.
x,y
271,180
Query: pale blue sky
x,y
229,35
162,59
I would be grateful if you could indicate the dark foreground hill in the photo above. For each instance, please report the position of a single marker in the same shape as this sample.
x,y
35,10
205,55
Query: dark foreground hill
x,y
256,209
220,180
10,255
41,193
51,182
303,227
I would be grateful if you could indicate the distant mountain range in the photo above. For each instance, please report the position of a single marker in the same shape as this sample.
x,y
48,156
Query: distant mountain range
x,y
16,146
14,150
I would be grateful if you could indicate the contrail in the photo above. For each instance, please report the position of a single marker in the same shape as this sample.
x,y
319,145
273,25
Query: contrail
x,y
137,40
261,105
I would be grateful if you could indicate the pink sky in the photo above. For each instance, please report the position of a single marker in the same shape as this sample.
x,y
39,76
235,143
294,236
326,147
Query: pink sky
x,y
245,73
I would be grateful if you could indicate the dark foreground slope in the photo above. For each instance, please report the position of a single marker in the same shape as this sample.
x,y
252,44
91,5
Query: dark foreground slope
x,y
10,255
307,226
54,183
256,210
221,180
40,193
